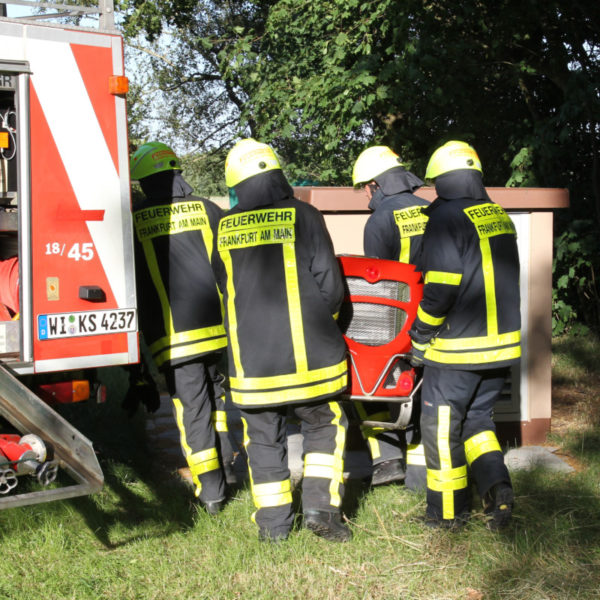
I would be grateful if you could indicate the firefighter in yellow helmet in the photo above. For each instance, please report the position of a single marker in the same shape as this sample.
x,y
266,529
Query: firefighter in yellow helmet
x,y
467,335
180,311
282,290
393,232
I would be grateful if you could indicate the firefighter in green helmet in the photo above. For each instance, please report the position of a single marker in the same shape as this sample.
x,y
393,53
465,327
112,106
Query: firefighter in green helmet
x,y
394,232
282,290
180,311
467,336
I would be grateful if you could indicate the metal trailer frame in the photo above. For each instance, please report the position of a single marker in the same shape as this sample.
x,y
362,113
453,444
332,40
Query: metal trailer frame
x,y
72,450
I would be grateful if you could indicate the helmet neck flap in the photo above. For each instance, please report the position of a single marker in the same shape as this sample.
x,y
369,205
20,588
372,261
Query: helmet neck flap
x,y
464,184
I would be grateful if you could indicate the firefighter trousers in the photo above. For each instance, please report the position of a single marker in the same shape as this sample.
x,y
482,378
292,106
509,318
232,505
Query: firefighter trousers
x,y
323,427
458,433
416,471
386,444
199,408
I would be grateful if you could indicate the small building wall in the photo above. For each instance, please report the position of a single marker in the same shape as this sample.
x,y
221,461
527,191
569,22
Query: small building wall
x,y
523,416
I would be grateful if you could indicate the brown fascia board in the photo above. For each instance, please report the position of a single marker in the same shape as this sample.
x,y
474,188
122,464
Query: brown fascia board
x,y
347,199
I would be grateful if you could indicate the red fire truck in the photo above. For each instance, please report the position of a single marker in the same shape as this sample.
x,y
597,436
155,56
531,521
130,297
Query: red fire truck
x,y
67,285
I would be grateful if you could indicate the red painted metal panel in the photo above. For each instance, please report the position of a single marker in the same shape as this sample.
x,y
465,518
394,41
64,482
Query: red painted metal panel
x,y
95,66
61,245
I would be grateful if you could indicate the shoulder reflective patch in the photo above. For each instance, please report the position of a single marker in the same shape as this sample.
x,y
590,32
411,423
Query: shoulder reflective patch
x,y
411,221
168,219
256,228
490,220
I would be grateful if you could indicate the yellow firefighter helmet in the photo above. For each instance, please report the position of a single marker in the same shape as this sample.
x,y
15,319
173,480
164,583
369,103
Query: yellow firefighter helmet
x,y
450,157
373,162
248,158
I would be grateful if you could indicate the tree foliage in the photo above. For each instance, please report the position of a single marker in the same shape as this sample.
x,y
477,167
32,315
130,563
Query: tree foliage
x,y
519,80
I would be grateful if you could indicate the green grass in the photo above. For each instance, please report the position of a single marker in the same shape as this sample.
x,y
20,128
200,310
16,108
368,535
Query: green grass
x,y
140,537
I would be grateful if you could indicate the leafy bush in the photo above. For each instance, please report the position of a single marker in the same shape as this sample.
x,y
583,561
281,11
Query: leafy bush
x,y
575,294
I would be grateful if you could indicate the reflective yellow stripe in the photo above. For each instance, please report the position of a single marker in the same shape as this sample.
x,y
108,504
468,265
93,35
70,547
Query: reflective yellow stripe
x,y
481,443
183,440
203,461
336,316
338,453
369,433
290,395
404,250
443,438
429,319
322,465
275,493
443,443
266,495
152,263
207,236
374,447
418,346
183,337
490,286
179,420
447,483
292,379
443,277
231,316
246,439
294,307
480,357
246,443
489,220
472,343
190,350
415,455
219,420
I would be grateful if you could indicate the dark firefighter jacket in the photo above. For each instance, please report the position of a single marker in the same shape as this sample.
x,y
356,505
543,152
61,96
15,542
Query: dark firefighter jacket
x,y
395,228
282,288
181,313
470,311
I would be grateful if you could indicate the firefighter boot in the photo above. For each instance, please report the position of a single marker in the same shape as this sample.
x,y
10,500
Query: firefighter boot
x,y
327,524
274,536
388,472
212,507
497,505
212,492
455,524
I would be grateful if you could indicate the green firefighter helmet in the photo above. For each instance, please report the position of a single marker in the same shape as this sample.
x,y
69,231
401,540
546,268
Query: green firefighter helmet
x,y
248,158
372,162
151,158
452,156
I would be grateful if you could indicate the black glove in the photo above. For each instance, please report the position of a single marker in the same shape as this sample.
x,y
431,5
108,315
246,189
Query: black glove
x,y
142,390
417,353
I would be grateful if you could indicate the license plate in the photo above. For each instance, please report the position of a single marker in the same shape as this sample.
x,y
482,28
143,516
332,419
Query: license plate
x,y
98,322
